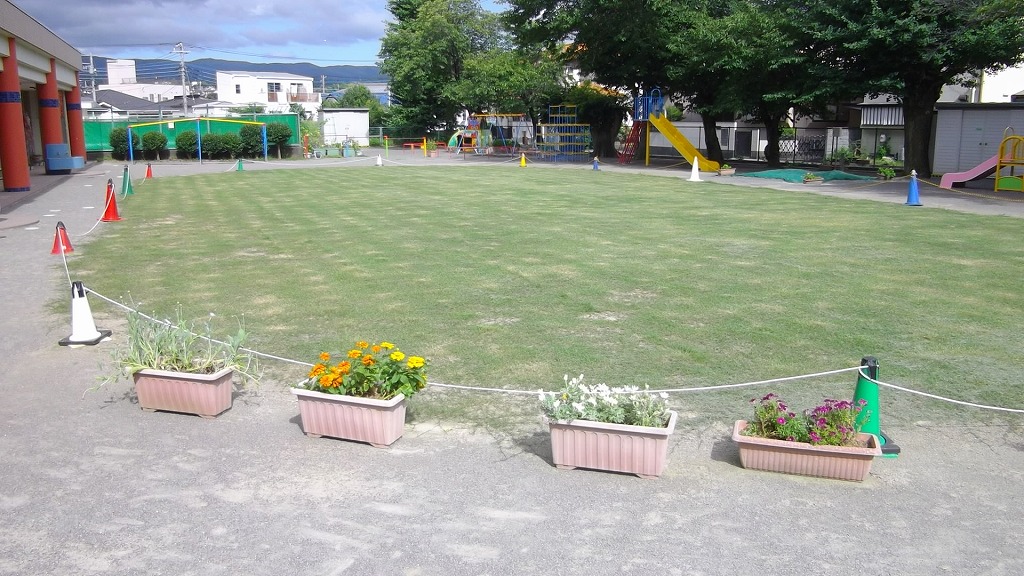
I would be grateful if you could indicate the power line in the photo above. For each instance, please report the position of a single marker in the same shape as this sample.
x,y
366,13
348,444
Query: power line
x,y
269,56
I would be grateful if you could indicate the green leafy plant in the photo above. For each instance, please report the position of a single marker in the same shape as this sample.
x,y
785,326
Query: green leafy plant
x,y
278,134
186,144
153,143
725,167
119,144
181,345
811,177
601,403
887,172
251,136
377,370
832,423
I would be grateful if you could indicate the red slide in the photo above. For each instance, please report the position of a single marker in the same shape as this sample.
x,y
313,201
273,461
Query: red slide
x,y
980,171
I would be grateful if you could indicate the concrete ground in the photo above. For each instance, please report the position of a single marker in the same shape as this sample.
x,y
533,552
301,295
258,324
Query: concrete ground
x,y
90,484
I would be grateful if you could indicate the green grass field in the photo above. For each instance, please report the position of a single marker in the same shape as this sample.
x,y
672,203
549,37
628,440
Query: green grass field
x,y
505,277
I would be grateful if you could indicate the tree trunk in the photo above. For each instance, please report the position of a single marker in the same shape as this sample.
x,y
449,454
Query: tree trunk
x,y
714,146
918,112
773,133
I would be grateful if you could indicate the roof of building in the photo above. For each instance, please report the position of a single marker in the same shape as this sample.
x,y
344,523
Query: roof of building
x,y
121,101
276,75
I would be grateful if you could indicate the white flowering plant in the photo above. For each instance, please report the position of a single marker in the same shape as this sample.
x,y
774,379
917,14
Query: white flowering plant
x,y
601,403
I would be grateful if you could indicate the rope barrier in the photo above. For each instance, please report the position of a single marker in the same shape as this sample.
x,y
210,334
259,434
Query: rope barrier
x,y
937,397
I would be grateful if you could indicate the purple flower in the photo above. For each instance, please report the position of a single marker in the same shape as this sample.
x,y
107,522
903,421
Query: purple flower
x,y
781,420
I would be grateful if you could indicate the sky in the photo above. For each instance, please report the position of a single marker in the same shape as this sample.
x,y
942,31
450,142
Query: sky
x,y
325,33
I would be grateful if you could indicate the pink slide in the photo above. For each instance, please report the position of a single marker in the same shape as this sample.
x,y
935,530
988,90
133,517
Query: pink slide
x,y
980,171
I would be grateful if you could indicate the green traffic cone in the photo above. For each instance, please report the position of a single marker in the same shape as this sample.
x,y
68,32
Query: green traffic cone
x,y
126,183
240,169
867,391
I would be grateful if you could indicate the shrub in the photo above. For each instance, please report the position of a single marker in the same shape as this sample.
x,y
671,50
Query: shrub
x,y
220,146
187,143
153,143
278,134
119,144
251,141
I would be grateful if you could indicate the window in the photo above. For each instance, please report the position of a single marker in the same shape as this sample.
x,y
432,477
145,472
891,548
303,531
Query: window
x,y
273,87
238,88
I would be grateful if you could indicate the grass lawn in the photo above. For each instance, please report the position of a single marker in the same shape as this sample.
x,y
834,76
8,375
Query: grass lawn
x,y
505,277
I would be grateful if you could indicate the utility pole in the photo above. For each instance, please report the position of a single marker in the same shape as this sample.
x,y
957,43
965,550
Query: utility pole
x,y
323,85
179,49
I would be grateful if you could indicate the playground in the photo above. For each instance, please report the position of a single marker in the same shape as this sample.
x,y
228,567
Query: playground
x,y
510,277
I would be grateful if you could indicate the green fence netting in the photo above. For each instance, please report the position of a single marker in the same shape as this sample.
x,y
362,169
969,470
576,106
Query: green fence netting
x,y
795,175
97,132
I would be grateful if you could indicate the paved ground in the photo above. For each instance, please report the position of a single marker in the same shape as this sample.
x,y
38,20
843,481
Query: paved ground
x,y
92,485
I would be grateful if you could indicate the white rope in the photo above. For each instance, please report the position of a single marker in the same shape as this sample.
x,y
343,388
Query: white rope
x,y
480,389
936,397
483,389
214,340
759,382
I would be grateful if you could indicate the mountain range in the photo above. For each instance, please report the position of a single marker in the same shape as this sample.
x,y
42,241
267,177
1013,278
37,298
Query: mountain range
x,y
205,70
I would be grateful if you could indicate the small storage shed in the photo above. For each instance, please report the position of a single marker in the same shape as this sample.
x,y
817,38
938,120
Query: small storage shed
x,y
968,134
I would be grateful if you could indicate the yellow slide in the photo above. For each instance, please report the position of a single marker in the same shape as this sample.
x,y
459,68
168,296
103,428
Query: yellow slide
x,y
683,145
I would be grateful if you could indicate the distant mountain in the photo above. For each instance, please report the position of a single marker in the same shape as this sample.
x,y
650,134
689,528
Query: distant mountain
x,y
205,70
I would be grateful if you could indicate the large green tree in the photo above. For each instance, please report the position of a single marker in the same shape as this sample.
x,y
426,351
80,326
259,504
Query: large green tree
x,y
909,48
424,53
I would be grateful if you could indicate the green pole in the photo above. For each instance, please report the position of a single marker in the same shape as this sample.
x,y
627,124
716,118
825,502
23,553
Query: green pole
x,y
126,183
867,391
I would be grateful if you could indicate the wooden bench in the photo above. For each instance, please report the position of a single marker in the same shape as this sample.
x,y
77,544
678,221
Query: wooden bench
x,y
412,145
60,161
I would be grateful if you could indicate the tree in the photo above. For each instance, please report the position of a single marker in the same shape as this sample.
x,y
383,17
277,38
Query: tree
x,y
278,134
909,49
248,109
357,96
251,136
424,53
509,81
604,110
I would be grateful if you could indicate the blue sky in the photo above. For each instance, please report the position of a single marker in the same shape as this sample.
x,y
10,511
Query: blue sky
x,y
325,32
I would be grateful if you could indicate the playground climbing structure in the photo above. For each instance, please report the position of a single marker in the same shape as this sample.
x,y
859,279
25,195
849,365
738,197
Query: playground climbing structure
x,y
565,138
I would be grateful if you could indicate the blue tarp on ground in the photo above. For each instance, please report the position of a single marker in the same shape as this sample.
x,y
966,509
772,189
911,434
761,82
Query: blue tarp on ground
x,y
797,175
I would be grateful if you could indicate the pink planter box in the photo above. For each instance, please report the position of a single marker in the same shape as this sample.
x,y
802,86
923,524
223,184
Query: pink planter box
x,y
378,422
837,462
206,395
639,450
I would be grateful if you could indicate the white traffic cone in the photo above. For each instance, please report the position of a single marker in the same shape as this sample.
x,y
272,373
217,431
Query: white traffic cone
x,y
695,173
379,161
83,329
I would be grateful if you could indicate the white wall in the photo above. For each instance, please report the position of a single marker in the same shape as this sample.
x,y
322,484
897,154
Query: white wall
x,y
151,92
344,123
1000,86
252,88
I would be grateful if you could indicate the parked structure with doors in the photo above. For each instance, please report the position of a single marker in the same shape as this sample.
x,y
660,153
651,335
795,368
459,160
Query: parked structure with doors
x,y
40,100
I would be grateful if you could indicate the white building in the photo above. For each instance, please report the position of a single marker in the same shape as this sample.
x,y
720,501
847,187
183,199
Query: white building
x,y
121,77
341,124
276,91
1002,86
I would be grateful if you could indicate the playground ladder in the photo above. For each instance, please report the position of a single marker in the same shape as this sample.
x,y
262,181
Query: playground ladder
x,y
632,141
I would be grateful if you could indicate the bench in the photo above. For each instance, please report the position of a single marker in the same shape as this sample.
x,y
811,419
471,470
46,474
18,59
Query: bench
x,y
60,161
413,145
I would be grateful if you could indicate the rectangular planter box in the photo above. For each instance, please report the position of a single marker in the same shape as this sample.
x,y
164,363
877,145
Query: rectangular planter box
x,y
837,462
206,395
378,422
639,450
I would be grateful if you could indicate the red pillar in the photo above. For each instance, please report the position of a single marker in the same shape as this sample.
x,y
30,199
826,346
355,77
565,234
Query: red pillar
x,y
76,128
49,109
13,153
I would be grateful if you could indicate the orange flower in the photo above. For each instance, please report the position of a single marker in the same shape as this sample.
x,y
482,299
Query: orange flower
x,y
317,370
325,357
362,344
355,353
368,360
344,367
375,349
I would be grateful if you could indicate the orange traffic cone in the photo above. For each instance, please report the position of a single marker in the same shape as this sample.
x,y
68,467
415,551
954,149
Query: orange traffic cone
x,y
110,213
149,171
61,244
